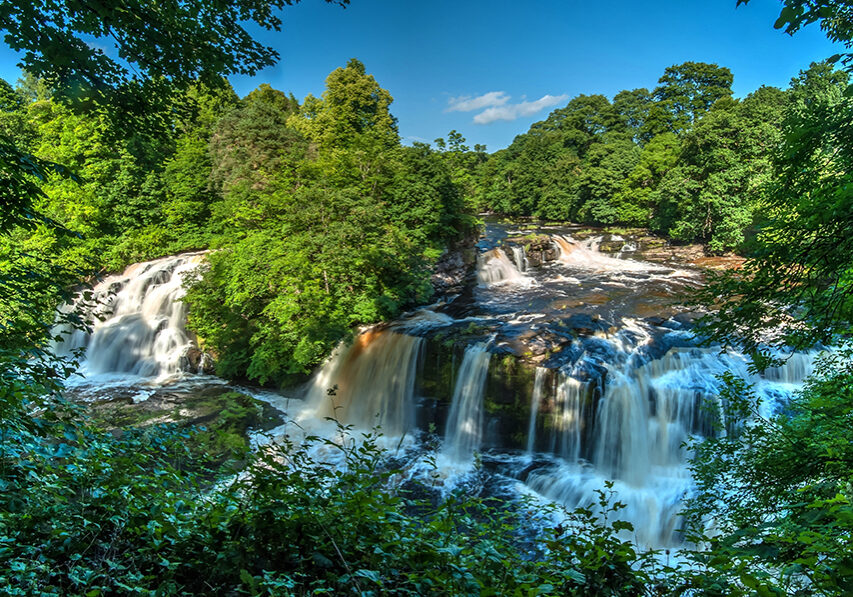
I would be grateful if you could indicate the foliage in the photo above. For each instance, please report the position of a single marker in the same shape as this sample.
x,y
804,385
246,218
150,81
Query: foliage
x,y
178,44
835,18
795,289
93,515
325,223
779,488
779,492
685,160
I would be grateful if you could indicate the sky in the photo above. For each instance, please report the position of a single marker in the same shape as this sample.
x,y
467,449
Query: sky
x,y
491,68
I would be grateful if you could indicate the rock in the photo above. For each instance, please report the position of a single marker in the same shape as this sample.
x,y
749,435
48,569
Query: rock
x,y
199,361
454,266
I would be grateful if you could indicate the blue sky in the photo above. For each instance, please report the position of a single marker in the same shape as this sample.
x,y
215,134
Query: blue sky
x,y
518,60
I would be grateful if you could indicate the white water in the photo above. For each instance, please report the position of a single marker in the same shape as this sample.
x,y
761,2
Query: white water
x,y
464,431
638,433
630,430
520,258
494,267
570,418
138,322
586,255
538,391
369,383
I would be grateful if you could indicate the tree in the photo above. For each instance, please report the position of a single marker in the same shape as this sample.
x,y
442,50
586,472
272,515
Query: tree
x,y
835,18
638,195
633,110
354,109
156,43
253,142
784,526
602,177
684,93
795,290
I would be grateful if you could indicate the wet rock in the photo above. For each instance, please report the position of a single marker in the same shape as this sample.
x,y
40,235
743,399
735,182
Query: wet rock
x,y
454,266
583,324
198,361
656,320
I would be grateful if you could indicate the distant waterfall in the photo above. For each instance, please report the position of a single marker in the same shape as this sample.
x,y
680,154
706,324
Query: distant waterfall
x,y
370,383
465,420
520,258
494,267
138,320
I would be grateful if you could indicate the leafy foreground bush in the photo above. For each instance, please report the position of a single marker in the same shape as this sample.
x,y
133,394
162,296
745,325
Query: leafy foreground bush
x,y
91,514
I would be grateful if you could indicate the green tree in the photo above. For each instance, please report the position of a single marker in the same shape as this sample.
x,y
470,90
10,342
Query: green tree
x,y
602,177
835,18
796,283
684,93
354,110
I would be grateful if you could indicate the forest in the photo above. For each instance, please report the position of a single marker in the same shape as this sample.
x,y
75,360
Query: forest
x,y
316,220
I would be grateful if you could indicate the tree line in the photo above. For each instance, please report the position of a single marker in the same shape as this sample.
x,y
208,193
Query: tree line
x,y
686,160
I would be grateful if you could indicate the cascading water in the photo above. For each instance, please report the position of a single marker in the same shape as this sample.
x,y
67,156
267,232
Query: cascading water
x,y
370,383
494,267
585,254
618,386
638,433
520,258
538,392
138,322
570,418
465,419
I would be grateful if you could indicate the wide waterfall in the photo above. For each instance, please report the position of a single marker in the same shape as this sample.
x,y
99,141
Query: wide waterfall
x,y
562,375
138,321
465,420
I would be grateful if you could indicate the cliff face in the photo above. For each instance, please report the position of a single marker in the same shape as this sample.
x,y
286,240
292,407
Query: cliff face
x,y
455,265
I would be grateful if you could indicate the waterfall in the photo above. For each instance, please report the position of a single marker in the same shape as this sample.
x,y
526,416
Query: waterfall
x,y
638,430
538,391
369,383
570,417
494,267
138,321
465,420
793,370
585,255
520,258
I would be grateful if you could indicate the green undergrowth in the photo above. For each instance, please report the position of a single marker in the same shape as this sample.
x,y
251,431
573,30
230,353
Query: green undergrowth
x,y
135,513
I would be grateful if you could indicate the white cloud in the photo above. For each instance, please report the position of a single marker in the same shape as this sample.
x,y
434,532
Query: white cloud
x,y
466,103
504,111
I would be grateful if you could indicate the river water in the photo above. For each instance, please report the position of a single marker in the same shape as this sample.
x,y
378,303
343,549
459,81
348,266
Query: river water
x,y
558,369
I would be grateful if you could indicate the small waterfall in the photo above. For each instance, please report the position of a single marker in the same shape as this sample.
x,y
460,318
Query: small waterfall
x,y
465,420
538,391
628,247
793,370
369,383
585,254
494,267
570,418
622,442
138,320
519,257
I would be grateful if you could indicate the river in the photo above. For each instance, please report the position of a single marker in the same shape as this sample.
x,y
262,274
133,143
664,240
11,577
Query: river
x,y
565,362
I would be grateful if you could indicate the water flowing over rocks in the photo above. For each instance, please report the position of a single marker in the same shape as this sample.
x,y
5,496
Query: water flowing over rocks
x,y
136,328
563,363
